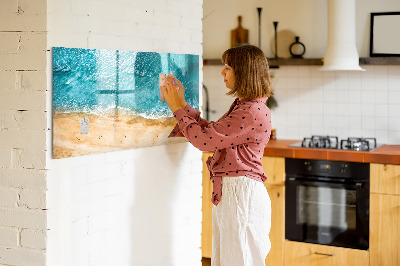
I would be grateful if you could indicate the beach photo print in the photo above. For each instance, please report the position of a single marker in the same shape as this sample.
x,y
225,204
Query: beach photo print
x,y
109,100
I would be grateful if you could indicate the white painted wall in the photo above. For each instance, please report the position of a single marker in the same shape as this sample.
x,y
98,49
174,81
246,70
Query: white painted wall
x,y
305,18
311,102
134,207
23,133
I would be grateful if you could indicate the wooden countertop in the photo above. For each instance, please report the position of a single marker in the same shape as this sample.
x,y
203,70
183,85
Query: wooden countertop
x,y
389,154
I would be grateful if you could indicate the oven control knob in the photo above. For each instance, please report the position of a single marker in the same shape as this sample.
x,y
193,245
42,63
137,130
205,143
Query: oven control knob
x,y
343,168
308,166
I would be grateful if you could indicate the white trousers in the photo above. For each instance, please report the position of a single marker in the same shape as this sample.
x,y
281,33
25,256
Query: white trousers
x,y
241,223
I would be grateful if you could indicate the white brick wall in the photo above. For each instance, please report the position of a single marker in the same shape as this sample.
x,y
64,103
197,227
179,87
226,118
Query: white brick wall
x,y
23,132
133,207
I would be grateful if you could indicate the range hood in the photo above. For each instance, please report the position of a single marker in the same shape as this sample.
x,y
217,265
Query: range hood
x,y
341,51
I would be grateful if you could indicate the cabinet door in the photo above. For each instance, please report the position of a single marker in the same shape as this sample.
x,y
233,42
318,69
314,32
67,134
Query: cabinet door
x,y
277,233
384,230
385,178
206,232
274,168
304,254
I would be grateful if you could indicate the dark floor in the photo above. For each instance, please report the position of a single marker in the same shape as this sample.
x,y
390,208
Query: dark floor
x,y
206,261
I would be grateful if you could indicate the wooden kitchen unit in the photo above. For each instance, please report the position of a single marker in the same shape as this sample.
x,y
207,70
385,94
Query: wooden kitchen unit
x,y
384,247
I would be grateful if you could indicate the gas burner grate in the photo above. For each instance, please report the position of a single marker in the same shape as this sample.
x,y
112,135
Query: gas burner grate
x,y
358,144
327,142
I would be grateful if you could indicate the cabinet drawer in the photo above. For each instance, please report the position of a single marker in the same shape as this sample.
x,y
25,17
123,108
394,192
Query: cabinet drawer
x,y
305,254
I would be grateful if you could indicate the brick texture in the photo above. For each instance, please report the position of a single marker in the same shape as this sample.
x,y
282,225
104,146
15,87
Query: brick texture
x,y
23,125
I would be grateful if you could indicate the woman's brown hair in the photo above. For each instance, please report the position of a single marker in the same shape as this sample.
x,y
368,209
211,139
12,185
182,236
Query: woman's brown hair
x,y
250,66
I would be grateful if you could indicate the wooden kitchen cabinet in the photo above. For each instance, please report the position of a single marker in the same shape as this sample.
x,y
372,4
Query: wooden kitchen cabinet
x,y
384,236
206,225
277,233
305,254
385,178
274,168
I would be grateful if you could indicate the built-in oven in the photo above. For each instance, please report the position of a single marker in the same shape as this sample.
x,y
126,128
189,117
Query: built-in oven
x,y
327,202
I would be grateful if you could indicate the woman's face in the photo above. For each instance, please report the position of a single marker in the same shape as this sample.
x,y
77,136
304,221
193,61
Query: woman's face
x,y
229,76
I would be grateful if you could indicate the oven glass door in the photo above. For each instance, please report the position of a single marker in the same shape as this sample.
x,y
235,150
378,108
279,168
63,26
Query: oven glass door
x,y
326,213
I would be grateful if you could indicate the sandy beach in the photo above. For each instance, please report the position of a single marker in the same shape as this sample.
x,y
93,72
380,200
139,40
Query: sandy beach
x,y
108,132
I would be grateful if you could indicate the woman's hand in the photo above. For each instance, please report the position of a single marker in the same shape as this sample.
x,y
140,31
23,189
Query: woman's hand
x,y
181,91
172,90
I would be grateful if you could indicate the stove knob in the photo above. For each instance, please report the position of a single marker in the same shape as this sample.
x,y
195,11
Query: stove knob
x,y
343,168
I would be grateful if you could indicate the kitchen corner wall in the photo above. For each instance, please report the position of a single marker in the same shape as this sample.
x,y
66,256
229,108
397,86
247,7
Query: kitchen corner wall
x,y
133,207
311,102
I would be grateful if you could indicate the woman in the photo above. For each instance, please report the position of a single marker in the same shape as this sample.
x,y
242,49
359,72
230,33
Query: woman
x,y
242,208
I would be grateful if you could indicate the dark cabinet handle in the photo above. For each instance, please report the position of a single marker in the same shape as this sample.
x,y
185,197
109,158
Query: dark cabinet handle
x,y
324,254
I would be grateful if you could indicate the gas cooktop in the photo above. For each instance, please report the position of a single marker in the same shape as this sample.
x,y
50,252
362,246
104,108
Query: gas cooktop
x,y
332,142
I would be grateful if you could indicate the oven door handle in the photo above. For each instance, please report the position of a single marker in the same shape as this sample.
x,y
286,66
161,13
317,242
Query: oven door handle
x,y
357,185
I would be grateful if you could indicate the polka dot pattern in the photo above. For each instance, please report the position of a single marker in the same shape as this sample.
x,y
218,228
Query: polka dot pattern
x,y
238,139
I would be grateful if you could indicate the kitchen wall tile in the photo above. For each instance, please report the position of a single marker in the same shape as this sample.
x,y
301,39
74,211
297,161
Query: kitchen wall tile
x,y
317,131
304,109
316,82
317,95
393,71
355,109
328,74
355,132
342,96
394,137
329,93
382,123
317,107
367,133
381,110
342,109
315,72
381,97
342,122
355,122
354,80
342,80
381,136
368,122
291,71
394,82
329,122
278,71
380,71
380,84
355,96
367,82
342,133
394,123
292,83
394,110
394,97
367,110
304,72
304,82
367,96
329,109
317,121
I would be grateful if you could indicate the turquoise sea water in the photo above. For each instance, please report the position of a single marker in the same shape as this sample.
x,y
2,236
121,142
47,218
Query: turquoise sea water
x,y
95,81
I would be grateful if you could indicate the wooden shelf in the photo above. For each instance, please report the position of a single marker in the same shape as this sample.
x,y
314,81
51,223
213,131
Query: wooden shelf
x,y
274,63
380,61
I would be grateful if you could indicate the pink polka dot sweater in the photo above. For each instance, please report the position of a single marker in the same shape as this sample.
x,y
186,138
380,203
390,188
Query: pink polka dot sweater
x,y
238,139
